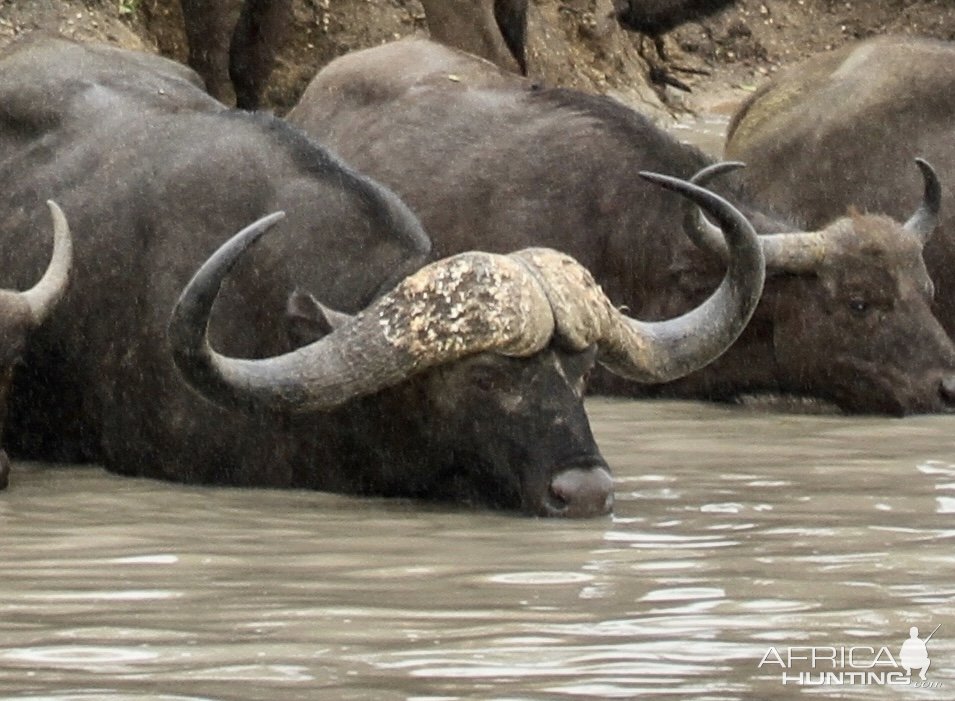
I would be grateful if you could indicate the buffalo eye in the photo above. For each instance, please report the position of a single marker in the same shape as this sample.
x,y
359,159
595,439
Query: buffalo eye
x,y
858,306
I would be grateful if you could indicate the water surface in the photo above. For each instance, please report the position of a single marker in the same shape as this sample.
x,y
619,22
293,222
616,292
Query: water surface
x,y
734,532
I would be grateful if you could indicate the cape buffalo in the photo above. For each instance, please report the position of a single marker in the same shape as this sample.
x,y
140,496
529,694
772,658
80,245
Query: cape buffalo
x,y
493,29
461,382
841,128
233,43
655,17
486,160
22,312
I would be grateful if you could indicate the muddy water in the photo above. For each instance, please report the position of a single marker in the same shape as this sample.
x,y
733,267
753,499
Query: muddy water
x,y
734,532
738,538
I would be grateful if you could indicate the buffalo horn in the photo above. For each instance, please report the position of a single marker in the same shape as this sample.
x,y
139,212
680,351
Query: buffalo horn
x,y
454,307
42,297
470,303
697,227
803,251
797,252
923,222
684,344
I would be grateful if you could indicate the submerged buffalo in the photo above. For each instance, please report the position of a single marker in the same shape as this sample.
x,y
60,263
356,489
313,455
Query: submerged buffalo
x,y
488,160
21,313
459,381
840,129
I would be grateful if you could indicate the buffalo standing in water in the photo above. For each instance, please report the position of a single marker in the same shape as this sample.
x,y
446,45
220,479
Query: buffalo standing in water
x,y
458,381
838,131
488,160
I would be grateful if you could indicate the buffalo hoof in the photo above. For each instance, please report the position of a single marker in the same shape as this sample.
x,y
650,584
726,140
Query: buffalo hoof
x,y
581,493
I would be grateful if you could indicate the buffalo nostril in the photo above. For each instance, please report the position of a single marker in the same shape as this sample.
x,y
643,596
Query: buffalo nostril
x,y
580,493
947,388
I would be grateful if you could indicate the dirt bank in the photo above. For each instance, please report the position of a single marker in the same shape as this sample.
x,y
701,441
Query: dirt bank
x,y
745,44
571,42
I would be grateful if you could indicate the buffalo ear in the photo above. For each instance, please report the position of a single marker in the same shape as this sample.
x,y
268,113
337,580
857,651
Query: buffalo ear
x,y
309,320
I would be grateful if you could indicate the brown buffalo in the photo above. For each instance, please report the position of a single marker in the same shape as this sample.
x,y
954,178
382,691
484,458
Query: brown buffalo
x,y
839,131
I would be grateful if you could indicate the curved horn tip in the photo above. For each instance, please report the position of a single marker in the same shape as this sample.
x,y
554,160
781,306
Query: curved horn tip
x,y
698,194
54,207
655,177
929,174
196,299
669,182
44,295
696,226
689,342
61,229
60,224
713,170
925,219
237,245
188,323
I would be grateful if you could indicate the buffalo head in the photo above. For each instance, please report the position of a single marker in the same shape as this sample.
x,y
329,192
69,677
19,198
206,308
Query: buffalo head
x,y
21,312
851,307
475,365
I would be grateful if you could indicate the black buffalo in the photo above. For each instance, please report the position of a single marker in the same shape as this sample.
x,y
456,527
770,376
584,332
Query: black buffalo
x,y
653,18
656,17
23,312
841,128
487,160
478,396
233,44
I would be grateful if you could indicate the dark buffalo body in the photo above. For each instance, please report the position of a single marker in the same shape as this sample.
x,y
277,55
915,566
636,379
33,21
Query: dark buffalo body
x,y
492,162
655,17
493,29
233,44
841,129
155,175
22,312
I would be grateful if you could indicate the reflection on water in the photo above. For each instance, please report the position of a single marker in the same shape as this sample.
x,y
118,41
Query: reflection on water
x,y
734,531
